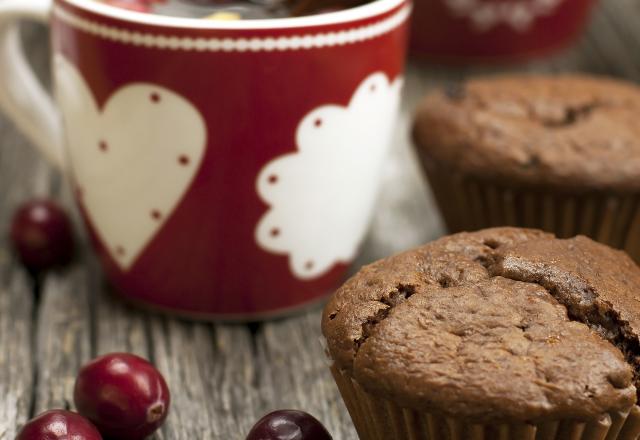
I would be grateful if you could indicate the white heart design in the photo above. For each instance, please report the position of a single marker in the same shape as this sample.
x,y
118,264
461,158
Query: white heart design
x,y
322,195
132,161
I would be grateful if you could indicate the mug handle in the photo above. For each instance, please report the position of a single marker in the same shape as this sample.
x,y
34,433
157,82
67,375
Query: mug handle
x,y
22,96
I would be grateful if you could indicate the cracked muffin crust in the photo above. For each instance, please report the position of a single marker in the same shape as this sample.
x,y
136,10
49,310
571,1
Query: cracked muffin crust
x,y
503,324
576,131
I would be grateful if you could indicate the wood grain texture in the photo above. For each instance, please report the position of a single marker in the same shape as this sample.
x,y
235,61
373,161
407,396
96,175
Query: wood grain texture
x,y
16,360
294,372
116,326
22,175
63,338
224,377
213,371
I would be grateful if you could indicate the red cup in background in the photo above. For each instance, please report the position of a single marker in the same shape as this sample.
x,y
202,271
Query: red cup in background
x,y
494,30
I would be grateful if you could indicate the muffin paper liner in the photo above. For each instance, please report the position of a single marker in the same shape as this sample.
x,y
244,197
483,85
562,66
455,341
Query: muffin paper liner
x,y
379,419
469,204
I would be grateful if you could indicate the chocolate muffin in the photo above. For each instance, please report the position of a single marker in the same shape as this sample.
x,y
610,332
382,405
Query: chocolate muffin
x,y
559,153
503,333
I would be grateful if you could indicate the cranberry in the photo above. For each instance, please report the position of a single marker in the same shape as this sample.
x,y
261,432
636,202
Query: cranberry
x,y
288,424
59,425
42,235
123,395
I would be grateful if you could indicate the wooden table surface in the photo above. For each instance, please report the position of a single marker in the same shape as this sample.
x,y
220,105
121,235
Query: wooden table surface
x,y
223,377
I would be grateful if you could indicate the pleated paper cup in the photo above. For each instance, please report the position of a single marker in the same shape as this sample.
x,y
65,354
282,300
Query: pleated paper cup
x,y
376,418
470,203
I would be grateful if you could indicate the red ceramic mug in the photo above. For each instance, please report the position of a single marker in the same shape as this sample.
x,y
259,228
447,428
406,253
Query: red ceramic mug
x,y
224,169
495,30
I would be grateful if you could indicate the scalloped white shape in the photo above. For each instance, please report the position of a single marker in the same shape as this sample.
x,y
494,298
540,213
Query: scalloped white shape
x,y
321,196
132,161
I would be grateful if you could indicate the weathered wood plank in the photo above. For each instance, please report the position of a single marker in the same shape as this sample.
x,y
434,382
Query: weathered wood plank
x,y
294,373
608,43
63,337
16,362
22,175
211,372
622,17
117,326
62,334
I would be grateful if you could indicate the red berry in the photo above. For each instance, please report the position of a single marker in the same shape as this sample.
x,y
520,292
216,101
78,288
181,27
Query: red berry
x,y
288,424
123,395
42,235
59,425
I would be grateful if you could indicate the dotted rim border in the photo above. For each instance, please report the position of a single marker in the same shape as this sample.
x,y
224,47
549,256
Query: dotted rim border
x,y
267,44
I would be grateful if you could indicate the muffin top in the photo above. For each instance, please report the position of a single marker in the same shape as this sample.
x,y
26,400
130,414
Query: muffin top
x,y
500,324
576,131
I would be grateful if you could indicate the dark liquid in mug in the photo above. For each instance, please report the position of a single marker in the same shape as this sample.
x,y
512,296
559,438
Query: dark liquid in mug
x,y
233,9
248,9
